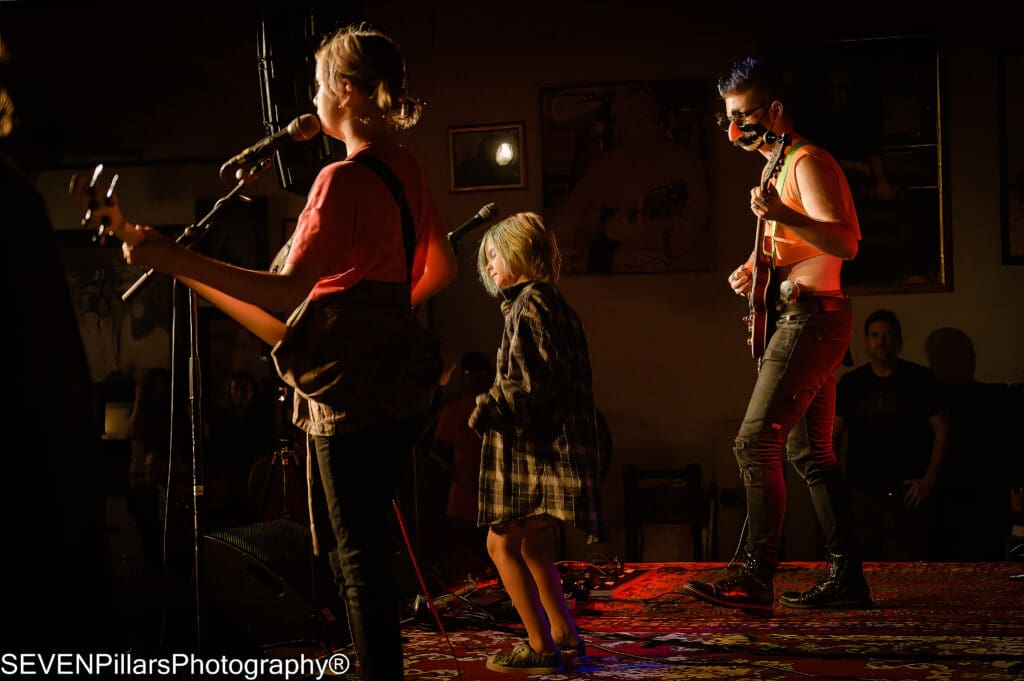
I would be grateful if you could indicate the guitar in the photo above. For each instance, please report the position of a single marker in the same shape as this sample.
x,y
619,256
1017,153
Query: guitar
x,y
764,285
86,194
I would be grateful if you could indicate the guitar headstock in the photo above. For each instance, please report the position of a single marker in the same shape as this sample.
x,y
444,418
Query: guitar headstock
x,y
85,192
775,161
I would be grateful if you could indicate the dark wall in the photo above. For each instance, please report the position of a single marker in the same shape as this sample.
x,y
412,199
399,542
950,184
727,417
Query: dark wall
x,y
671,372
134,81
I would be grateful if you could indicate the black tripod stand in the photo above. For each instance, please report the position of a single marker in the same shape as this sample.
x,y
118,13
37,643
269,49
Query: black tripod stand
x,y
282,482
284,464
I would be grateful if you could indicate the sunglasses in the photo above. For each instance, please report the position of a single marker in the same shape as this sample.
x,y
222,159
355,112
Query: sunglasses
x,y
739,118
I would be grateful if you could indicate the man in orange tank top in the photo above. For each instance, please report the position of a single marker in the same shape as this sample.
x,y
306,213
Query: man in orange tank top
x,y
811,227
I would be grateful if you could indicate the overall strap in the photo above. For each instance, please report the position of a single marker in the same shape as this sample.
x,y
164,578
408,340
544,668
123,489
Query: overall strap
x,y
397,191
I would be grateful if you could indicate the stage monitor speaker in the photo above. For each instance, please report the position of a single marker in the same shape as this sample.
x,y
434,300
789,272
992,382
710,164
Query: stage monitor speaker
x,y
288,37
264,579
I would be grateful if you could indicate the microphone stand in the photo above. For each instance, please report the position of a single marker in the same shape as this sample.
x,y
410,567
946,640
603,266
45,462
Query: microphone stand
x,y
189,237
193,233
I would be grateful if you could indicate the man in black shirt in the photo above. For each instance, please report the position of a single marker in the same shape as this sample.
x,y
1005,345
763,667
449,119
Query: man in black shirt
x,y
894,414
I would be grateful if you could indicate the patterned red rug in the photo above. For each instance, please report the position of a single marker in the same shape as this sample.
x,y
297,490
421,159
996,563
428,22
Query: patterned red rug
x,y
931,622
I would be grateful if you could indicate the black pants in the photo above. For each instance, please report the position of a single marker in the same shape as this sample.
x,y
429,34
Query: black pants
x,y
790,413
358,472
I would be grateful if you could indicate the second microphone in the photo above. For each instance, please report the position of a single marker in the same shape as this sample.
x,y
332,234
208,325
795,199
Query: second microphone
x,y
486,213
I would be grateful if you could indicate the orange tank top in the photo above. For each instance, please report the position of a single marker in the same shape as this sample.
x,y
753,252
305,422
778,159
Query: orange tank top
x,y
787,247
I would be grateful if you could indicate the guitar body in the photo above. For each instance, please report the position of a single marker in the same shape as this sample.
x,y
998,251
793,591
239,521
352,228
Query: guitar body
x,y
764,280
762,315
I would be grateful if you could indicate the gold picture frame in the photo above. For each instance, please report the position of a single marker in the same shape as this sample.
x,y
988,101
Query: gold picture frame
x,y
878,105
626,175
486,157
1011,155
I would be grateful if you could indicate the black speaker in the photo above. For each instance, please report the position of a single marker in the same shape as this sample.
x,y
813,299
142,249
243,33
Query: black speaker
x,y
288,37
264,579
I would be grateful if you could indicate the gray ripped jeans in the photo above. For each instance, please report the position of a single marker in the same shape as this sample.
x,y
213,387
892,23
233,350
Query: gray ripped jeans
x,y
792,410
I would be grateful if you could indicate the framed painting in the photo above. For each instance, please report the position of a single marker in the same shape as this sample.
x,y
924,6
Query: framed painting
x,y
1011,153
487,157
877,105
625,176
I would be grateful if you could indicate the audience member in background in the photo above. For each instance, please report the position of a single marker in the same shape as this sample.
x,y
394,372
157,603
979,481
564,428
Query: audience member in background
x,y
456,447
161,481
1015,538
539,460
973,498
57,572
1015,543
241,431
894,415
150,437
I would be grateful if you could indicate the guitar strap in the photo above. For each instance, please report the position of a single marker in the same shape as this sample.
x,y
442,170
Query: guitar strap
x,y
778,188
398,192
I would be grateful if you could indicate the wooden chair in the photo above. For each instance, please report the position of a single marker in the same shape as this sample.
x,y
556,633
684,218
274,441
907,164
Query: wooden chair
x,y
671,496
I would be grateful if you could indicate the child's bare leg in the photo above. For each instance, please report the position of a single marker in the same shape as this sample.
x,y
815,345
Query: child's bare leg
x,y
506,549
540,560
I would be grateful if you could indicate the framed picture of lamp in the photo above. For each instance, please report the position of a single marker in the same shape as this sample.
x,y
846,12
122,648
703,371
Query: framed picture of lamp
x,y
486,157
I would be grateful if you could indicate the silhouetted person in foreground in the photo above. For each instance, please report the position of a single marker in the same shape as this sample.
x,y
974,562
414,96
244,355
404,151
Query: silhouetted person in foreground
x,y
57,571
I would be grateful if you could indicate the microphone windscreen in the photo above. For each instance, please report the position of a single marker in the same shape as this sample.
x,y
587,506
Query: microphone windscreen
x,y
304,127
489,211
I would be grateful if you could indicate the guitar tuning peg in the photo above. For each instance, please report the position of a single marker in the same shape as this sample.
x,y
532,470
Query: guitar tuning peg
x,y
87,218
108,197
75,187
88,190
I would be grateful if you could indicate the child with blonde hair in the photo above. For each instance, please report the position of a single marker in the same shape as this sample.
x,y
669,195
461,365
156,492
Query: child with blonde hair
x,y
539,459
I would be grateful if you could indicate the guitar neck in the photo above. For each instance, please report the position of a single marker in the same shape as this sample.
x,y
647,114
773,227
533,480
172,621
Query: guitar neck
x,y
763,280
770,171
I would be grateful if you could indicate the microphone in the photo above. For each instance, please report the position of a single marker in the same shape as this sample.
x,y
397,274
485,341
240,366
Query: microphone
x,y
483,215
301,129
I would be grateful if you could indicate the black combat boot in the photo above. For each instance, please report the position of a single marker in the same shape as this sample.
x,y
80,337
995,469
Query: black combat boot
x,y
750,586
841,586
